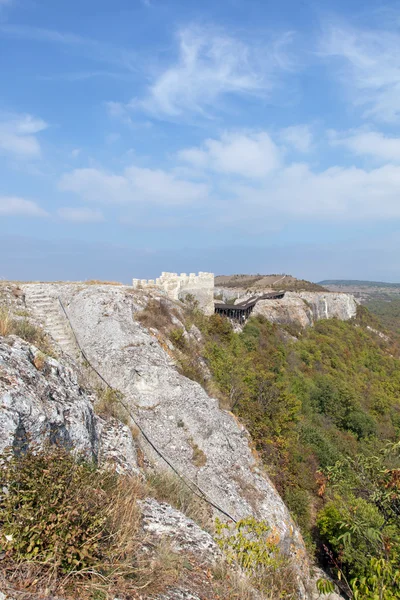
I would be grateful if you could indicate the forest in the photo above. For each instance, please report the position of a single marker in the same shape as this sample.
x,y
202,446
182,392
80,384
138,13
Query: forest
x,y
323,409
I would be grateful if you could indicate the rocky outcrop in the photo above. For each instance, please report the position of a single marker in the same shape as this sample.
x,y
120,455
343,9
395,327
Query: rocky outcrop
x,y
162,521
203,442
305,308
41,400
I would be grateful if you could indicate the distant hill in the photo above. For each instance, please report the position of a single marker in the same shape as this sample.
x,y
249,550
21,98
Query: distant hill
x,y
274,281
358,283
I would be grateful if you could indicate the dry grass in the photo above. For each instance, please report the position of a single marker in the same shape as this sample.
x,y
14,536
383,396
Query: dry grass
x,y
108,404
99,282
156,315
236,585
119,559
167,487
199,459
24,329
5,322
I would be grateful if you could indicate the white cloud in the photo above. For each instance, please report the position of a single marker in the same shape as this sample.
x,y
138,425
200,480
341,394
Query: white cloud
x,y
211,65
13,205
18,135
250,181
276,190
298,136
247,155
370,68
337,193
135,185
76,152
80,214
369,143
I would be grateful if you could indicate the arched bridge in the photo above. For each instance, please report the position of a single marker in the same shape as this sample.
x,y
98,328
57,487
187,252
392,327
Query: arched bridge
x,y
241,311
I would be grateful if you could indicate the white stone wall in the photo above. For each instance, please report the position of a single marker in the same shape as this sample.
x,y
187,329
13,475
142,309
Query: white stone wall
x,y
176,286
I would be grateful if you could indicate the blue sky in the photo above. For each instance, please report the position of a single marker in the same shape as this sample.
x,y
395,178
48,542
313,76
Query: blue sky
x,y
236,136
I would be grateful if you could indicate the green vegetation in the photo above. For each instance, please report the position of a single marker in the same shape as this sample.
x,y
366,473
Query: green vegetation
x,y
311,404
387,311
353,282
66,524
252,545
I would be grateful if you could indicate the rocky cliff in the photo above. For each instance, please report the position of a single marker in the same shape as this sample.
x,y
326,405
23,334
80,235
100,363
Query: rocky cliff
x,y
205,443
304,308
43,400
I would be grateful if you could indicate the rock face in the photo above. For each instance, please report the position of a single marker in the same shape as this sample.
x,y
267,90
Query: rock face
x,y
42,401
160,520
202,441
305,308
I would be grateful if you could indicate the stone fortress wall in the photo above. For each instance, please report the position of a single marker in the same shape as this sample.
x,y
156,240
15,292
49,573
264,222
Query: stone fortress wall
x,y
177,287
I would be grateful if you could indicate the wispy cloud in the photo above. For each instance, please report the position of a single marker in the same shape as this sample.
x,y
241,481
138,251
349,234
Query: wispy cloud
x,y
133,186
18,135
15,206
212,65
98,51
369,68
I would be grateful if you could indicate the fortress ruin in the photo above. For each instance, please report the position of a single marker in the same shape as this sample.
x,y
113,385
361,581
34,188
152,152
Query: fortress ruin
x,y
177,287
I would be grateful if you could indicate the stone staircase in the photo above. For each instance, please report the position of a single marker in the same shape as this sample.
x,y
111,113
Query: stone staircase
x,y
46,307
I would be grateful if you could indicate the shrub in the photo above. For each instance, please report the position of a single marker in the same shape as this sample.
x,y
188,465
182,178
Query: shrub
x,y
219,327
177,337
54,511
299,503
361,424
252,545
76,525
156,315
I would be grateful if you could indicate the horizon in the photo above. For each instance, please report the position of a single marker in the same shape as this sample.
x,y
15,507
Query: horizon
x,y
140,136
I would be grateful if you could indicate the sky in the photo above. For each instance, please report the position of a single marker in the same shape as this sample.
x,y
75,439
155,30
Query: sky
x,y
239,136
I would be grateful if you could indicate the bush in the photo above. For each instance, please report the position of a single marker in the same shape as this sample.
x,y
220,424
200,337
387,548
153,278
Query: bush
x,y
177,337
253,546
76,525
55,511
299,503
156,315
361,424
354,529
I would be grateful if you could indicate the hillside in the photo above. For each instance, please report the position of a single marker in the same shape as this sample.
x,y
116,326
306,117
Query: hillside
x,y
261,282
286,430
353,283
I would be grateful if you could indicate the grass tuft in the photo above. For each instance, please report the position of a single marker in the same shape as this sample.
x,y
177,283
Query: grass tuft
x,y
167,487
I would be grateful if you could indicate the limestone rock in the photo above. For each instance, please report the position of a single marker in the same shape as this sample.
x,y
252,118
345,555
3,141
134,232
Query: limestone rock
x,y
176,594
160,520
117,447
305,308
41,400
183,422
